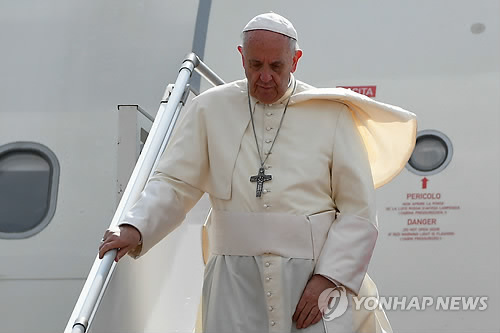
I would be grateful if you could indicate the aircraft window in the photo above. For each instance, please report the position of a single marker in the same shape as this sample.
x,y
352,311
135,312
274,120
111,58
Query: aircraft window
x,y
432,153
29,176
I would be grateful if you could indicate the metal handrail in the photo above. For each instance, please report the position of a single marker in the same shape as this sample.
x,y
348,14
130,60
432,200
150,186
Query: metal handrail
x,y
161,131
145,114
207,73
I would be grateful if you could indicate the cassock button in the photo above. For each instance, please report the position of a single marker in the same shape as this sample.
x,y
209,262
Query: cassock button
x,y
265,191
268,264
269,128
273,323
270,308
269,294
269,114
269,141
268,279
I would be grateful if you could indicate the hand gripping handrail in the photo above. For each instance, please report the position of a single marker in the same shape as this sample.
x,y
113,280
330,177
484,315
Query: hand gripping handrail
x,y
168,113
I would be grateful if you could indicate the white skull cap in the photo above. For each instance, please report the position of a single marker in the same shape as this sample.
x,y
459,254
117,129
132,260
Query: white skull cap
x,y
272,22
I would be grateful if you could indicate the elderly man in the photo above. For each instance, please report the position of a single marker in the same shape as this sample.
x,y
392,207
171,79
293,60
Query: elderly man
x,y
289,172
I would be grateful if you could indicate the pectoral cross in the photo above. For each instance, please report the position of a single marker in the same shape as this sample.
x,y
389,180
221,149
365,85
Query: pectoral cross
x,y
260,179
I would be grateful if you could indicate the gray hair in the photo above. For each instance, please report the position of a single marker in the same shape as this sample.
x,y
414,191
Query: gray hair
x,y
294,45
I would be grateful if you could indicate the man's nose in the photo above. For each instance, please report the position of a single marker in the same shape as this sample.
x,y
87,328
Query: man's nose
x,y
265,76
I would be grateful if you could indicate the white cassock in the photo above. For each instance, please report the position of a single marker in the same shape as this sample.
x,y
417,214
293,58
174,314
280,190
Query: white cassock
x,y
316,216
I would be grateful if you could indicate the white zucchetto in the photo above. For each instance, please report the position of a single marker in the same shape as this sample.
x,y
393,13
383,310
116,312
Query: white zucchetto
x,y
272,22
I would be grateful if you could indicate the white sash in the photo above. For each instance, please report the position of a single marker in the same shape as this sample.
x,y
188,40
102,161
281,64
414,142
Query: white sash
x,y
254,234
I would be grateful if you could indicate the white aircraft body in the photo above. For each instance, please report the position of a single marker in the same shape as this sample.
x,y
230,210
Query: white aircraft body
x,y
67,151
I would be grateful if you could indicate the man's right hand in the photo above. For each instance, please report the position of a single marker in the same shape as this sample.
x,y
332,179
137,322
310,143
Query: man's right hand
x,y
124,238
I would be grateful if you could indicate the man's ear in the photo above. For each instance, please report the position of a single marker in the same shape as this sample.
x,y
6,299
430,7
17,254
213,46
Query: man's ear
x,y
296,58
240,49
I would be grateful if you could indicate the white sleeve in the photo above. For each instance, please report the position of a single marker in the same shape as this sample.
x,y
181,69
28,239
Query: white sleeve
x,y
177,184
351,239
161,208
